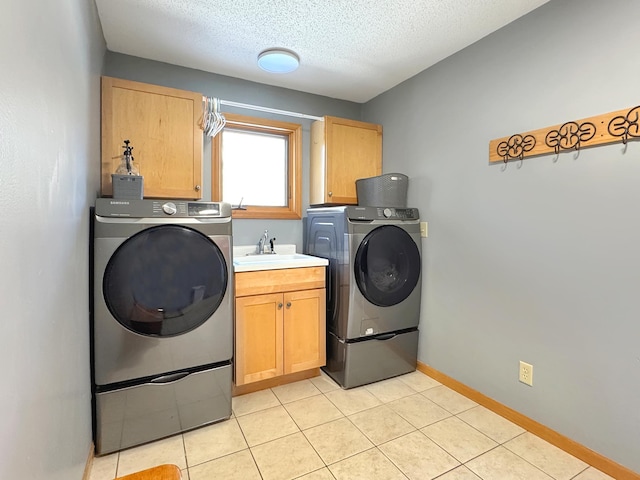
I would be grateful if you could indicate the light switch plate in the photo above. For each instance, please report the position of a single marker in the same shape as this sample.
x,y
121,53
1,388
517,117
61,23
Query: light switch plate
x,y
424,229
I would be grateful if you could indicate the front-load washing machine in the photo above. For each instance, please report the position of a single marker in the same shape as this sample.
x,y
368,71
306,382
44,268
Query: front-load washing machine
x,y
162,318
373,289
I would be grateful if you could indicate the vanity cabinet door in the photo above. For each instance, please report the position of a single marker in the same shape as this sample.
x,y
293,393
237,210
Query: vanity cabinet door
x,y
259,353
304,330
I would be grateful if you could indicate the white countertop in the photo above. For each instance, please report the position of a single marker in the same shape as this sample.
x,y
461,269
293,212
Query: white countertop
x,y
246,260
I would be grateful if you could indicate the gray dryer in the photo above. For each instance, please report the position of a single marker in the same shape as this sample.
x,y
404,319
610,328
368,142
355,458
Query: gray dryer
x,y
373,289
162,318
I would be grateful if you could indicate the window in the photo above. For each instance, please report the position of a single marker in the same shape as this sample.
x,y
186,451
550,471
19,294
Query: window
x,y
258,161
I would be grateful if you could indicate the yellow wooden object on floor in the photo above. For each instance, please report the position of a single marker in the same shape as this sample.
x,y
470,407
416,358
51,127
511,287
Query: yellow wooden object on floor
x,y
161,472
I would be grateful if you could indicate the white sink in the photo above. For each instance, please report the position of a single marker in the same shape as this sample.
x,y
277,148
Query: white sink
x,y
270,261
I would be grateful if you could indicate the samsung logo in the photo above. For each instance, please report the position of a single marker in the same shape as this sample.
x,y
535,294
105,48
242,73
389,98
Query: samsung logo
x,y
118,203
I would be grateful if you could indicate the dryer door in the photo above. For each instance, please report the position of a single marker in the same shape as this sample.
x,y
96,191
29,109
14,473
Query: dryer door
x,y
387,266
165,281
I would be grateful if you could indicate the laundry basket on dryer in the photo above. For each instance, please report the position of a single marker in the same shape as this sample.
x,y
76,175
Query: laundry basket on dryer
x,y
388,190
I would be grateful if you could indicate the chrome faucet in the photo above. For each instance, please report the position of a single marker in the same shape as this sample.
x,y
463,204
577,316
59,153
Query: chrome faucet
x,y
261,243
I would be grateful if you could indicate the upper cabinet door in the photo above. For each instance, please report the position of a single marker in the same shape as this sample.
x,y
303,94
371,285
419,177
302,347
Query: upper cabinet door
x,y
342,151
162,125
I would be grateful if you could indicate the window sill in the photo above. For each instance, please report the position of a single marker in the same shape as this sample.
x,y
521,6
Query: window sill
x,y
269,213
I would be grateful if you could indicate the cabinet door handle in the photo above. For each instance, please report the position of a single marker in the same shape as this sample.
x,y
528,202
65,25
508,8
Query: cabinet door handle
x,y
330,194
279,306
197,187
288,304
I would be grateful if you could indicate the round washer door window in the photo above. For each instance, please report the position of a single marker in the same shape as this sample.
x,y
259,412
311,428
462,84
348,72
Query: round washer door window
x,y
165,281
387,266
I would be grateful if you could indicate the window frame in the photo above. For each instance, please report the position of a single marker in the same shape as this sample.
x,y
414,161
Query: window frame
x,y
294,165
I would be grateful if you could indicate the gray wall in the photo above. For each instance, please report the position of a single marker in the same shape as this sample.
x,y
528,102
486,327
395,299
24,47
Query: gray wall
x,y
51,54
537,261
245,232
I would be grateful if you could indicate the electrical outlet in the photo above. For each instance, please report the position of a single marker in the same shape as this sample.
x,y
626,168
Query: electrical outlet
x,y
526,373
423,229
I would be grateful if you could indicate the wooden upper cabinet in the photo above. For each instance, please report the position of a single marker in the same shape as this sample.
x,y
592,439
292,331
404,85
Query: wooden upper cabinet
x,y
162,125
342,151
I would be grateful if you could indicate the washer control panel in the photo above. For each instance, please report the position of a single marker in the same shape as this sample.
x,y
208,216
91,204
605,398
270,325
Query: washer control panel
x,y
398,213
381,213
109,207
175,208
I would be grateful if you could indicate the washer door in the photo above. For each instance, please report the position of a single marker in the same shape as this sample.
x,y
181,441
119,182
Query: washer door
x,y
165,281
387,266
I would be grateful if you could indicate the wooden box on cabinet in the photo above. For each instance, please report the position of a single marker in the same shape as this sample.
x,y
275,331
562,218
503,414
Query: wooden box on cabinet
x,y
162,125
342,151
280,323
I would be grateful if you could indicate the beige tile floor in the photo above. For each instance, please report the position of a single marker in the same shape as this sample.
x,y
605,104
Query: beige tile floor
x,y
409,427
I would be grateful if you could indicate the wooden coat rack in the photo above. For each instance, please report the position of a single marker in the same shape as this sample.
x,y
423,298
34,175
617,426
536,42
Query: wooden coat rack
x,y
622,125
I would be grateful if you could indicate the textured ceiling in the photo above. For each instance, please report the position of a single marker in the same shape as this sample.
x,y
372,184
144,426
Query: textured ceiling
x,y
349,49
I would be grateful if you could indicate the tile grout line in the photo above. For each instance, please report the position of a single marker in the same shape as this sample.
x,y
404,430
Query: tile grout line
x,y
499,444
483,433
521,457
300,430
581,472
307,438
438,445
186,460
374,446
247,442
502,444
377,447
443,448
451,415
551,477
117,463
226,454
478,456
184,448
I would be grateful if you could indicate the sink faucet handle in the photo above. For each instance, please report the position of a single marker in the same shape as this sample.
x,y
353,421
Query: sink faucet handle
x,y
262,242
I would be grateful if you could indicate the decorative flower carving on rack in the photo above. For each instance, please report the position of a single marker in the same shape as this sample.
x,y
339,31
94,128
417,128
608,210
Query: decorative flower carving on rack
x,y
569,136
626,126
516,146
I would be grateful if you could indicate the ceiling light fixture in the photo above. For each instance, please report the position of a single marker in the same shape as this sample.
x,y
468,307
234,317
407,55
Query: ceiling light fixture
x,y
278,60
